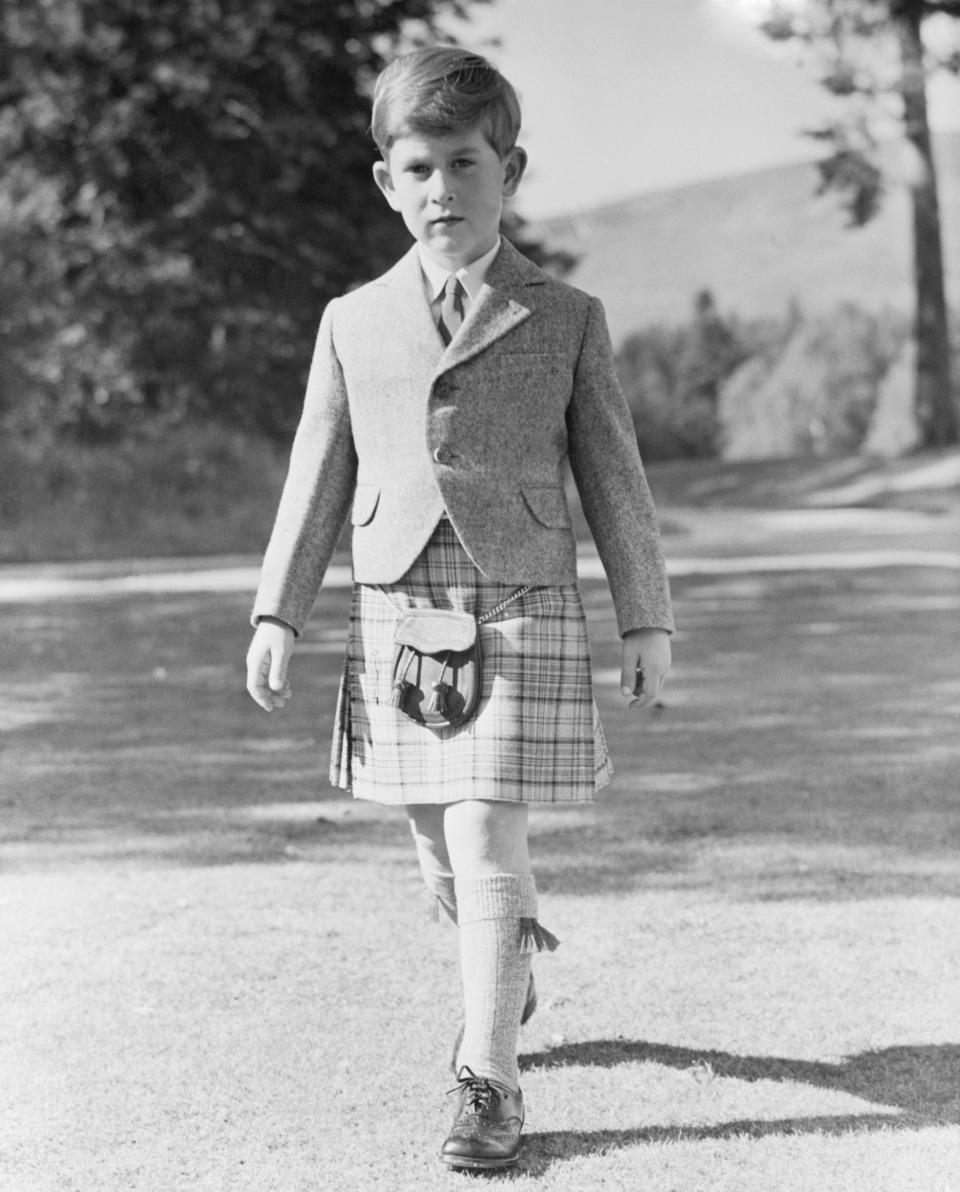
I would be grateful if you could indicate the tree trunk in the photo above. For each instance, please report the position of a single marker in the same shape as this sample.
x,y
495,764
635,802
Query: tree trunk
x,y
936,412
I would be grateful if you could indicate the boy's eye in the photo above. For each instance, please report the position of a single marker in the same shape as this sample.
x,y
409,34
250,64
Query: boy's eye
x,y
462,162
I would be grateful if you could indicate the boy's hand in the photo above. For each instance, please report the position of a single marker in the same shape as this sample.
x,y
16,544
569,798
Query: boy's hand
x,y
267,661
645,660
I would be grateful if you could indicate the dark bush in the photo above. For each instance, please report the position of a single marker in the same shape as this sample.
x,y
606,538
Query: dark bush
x,y
672,378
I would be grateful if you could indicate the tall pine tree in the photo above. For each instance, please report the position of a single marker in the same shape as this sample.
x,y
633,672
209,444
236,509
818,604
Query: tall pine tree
x,y
873,53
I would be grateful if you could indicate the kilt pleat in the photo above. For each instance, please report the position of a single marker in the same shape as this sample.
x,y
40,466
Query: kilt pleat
x,y
536,736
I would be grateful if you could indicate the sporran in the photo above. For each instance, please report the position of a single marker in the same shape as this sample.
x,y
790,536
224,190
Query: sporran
x,y
438,663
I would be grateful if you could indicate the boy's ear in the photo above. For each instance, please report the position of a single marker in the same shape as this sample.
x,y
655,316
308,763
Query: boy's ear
x,y
514,164
384,180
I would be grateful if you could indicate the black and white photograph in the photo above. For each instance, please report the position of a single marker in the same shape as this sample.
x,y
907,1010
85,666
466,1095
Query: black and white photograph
x,y
480,595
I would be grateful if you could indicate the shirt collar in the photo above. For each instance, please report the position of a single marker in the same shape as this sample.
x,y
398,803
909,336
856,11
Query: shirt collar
x,y
471,276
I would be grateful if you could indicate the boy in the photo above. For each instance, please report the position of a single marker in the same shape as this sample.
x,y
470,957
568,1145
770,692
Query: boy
x,y
443,401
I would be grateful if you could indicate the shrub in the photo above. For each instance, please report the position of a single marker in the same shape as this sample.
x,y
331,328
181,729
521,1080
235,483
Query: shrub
x,y
672,379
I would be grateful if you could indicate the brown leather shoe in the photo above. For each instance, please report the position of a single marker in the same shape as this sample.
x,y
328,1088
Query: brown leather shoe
x,y
529,1009
486,1130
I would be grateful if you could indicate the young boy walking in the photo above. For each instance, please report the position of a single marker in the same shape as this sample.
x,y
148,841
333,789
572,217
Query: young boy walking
x,y
445,401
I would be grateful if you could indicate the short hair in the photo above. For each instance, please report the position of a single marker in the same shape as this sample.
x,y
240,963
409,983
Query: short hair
x,y
439,89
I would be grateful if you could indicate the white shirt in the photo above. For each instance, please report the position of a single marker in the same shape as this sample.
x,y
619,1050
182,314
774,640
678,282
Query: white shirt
x,y
471,276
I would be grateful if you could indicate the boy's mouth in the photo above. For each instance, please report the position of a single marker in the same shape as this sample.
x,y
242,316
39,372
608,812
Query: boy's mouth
x,y
447,220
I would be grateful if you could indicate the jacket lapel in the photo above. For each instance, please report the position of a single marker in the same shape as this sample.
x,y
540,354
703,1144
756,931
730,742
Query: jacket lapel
x,y
408,313
501,305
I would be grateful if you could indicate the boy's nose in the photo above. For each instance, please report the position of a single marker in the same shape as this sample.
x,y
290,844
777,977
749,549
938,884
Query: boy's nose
x,y
442,188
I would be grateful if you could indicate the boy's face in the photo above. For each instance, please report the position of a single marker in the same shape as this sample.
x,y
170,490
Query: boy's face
x,y
450,191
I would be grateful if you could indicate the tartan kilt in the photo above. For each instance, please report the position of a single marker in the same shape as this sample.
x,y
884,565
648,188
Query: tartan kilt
x,y
536,736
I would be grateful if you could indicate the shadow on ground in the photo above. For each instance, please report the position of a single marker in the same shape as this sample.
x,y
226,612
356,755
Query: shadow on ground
x,y
913,1088
807,744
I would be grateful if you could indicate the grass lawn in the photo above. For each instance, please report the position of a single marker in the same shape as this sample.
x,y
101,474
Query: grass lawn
x,y
217,973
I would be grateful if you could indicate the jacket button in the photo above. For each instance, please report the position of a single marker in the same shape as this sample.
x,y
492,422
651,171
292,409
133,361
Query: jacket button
x,y
443,455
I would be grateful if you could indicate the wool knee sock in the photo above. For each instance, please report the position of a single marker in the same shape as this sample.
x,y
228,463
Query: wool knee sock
x,y
498,934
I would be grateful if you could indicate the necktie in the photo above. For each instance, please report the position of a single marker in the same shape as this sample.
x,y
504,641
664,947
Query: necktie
x,y
451,308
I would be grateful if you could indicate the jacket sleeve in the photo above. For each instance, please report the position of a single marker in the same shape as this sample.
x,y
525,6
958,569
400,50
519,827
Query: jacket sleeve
x,y
316,495
613,487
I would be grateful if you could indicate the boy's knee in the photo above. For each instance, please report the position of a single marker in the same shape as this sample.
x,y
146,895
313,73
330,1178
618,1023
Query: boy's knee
x,y
426,827
485,837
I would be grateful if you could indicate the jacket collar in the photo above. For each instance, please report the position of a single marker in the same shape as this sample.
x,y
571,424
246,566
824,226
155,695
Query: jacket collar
x,y
501,304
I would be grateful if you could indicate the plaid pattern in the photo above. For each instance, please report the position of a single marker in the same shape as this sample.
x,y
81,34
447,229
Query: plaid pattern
x,y
536,737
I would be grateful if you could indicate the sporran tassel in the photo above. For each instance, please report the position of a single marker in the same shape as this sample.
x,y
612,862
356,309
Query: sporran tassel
x,y
438,701
401,685
534,938
399,695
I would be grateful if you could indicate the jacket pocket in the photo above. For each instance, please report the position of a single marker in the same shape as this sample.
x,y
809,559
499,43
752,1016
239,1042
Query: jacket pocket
x,y
365,501
548,504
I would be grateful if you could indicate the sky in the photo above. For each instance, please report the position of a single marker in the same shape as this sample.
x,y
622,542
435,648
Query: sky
x,y
626,96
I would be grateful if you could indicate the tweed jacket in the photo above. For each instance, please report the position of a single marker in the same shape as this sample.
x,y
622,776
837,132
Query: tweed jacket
x,y
405,429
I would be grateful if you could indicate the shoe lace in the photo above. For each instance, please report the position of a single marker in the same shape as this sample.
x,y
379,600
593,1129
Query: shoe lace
x,y
478,1091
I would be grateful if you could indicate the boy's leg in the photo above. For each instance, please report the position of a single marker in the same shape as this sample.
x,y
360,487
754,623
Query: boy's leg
x,y
426,827
486,838
497,916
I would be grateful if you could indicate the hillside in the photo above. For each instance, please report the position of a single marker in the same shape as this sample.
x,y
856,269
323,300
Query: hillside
x,y
756,240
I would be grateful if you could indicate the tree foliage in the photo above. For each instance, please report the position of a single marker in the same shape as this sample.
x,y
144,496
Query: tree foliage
x,y
859,51
185,184
874,58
